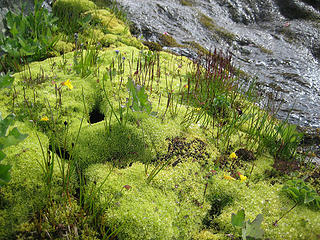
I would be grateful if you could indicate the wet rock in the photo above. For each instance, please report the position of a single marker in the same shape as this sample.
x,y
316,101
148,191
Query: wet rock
x,y
294,9
269,38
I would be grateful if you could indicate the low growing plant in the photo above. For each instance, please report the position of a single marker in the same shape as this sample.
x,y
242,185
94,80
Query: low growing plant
x,y
250,230
7,138
300,193
28,38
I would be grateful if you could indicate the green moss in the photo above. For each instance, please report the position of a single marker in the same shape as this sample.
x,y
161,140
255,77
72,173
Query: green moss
x,y
26,191
69,12
122,146
188,3
168,41
153,46
152,211
301,223
208,23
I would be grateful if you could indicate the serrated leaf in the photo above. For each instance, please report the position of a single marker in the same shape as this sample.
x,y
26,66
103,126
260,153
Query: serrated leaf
x,y
237,220
253,229
4,174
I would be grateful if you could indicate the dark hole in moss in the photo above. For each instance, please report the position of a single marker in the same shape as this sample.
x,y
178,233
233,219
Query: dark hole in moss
x,y
96,116
218,202
60,151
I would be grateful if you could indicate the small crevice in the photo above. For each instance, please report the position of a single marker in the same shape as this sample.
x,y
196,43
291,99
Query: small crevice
x,y
96,116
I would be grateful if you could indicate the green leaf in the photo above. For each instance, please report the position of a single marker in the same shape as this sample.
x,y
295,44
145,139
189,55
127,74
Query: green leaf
x,y
140,100
6,81
4,174
309,197
253,229
5,123
14,137
237,220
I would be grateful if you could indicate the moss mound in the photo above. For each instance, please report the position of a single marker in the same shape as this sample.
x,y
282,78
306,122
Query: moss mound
x,y
163,210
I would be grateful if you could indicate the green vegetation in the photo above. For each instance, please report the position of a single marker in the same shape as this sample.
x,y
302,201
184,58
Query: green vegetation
x,y
188,3
129,143
29,38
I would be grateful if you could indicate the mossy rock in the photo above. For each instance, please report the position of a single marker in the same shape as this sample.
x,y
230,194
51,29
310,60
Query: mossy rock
x,y
221,32
167,40
69,12
108,21
188,3
153,46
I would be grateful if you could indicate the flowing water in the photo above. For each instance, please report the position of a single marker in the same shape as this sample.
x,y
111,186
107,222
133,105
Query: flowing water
x,y
277,41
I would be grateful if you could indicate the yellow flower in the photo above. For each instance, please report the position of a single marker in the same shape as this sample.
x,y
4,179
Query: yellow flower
x,y
242,178
44,119
67,83
228,177
233,155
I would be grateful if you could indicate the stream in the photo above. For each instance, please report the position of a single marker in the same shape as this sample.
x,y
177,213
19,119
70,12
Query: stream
x,y
276,41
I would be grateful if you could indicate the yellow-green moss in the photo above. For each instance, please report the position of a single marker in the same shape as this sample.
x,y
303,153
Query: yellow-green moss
x,y
207,235
151,211
26,191
109,23
69,12
63,47
122,146
261,197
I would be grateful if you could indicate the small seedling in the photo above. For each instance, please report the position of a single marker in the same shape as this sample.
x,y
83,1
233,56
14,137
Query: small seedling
x,y
250,230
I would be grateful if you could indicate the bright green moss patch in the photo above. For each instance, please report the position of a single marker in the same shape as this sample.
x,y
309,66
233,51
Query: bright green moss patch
x,y
121,146
69,12
301,223
26,192
109,22
151,211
